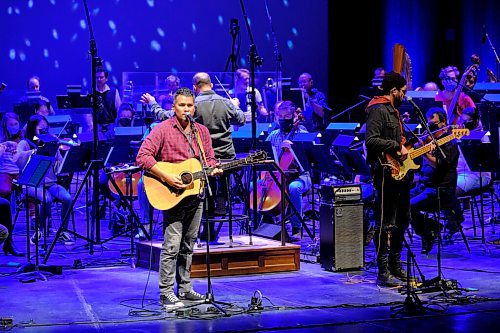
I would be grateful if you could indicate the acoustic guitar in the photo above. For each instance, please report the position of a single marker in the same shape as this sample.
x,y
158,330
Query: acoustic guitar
x,y
400,168
163,196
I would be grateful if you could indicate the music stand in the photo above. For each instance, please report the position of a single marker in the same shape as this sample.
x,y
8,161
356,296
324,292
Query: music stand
x,y
242,136
122,151
32,176
478,156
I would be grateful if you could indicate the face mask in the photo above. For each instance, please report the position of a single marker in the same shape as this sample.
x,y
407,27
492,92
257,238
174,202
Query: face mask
x,y
449,85
125,122
286,124
13,130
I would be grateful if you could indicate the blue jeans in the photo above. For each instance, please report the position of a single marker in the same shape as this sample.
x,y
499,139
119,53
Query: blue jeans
x,y
54,191
183,223
295,190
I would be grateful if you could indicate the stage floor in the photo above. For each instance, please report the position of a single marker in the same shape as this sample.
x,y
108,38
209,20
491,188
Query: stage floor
x,y
103,292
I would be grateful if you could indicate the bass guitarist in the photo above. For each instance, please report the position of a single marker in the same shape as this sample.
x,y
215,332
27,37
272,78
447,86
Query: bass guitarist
x,y
176,140
385,135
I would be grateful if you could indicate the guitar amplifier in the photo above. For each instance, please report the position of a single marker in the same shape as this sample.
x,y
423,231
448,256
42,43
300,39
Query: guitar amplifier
x,y
341,236
332,192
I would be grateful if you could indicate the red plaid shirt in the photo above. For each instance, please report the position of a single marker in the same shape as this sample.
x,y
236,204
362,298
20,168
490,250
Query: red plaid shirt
x,y
168,143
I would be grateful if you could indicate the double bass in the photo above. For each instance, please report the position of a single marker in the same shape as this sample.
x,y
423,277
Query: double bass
x,y
468,79
268,191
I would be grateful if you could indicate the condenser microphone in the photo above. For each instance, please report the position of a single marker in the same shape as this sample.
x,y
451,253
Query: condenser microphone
x,y
190,118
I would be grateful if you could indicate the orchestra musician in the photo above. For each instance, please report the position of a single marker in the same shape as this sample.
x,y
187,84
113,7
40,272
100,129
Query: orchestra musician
x,y
38,125
242,90
299,182
316,111
176,140
438,173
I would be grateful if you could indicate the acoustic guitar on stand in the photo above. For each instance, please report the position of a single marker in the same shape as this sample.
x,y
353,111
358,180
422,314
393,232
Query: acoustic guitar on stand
x,y
163,196
400,168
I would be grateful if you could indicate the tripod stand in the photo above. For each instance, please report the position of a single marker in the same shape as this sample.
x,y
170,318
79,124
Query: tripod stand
x,y
412,305
235,48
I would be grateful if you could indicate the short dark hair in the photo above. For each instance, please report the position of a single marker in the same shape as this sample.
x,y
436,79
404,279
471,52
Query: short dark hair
x,y
31,78
183,92
392,80
440,113
102,70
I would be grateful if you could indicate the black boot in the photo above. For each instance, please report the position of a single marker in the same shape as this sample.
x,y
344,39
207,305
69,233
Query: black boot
x,y
385,278
395,266
9,248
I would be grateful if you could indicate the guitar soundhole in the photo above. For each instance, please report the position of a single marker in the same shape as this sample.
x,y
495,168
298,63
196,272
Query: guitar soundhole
x,y
187,178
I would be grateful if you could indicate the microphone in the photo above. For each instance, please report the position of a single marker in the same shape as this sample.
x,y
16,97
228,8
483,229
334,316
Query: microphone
x,y
483,38
190,118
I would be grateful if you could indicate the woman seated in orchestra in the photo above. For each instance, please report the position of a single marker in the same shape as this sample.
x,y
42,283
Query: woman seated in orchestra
x,y
49,190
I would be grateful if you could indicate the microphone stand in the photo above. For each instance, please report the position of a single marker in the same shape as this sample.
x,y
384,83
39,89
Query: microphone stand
x,y
96,62
209,297
255,61
497,59
423,120
346,110
278,58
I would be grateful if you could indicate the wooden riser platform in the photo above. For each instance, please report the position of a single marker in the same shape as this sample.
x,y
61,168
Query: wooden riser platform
x,y
263,256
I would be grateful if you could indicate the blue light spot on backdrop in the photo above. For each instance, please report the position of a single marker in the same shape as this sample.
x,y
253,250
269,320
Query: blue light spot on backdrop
x,y
84,81
136,65
108,67
30,4
17,11
289,43
160,32
151,3
155,46
243,62
119,45
12,54
173,70
295,32
193,27
9,10
74,37
56,63
194,56
45,53
184,45
285,3
75,6
55,34
27,42
53,2
220,19
22,56
83,24
112,26
95,12
268,37
133,39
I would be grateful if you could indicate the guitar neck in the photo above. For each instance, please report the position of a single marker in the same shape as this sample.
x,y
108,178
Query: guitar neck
x,y
427,148
226,166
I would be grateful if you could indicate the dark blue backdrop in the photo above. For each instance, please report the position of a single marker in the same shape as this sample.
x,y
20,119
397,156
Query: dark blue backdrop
x,y
51,39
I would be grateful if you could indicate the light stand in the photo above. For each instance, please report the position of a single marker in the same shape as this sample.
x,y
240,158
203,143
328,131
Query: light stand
x,y
255,61
96,62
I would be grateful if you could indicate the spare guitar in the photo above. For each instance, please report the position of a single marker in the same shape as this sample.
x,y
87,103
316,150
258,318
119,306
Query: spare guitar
x,y
399,168
163,196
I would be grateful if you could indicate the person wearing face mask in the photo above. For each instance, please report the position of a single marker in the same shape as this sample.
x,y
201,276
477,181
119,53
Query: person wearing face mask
x,y
281,138
37,126
449,79
385,135
438,172
10,135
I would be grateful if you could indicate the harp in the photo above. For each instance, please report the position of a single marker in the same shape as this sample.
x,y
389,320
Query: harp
x,y
401,63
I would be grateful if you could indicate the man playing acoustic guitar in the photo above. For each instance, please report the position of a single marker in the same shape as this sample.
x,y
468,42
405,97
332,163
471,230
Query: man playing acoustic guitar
x,y
176,140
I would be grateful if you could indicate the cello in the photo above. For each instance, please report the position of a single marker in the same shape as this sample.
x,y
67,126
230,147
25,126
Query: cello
x,y
268,191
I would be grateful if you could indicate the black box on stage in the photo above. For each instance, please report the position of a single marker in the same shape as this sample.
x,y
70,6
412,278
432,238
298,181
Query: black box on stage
x,y
341,236
271,231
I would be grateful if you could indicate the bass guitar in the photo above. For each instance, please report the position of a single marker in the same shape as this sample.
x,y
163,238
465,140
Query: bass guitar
x,y
163,196
400,168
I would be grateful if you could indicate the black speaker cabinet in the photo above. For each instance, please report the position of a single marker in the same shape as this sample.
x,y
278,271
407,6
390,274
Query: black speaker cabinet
x,y
271,231
341,236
